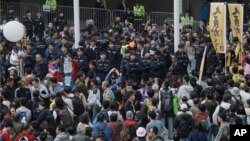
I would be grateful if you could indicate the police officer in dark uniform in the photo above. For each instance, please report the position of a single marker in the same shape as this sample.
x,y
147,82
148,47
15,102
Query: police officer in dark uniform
x,y
175,68
38,24
166,55
199,53
157,65
10,16
212,60
124,63
82,60
28,22
113,55
60,22
93,52
134,68
103,66
146,67
182,59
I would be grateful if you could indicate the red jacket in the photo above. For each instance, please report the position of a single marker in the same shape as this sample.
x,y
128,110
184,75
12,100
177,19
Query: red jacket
x,y
27,134
5,135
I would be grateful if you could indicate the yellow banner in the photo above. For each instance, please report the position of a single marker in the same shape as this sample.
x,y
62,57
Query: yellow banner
x,y
236,19
217,26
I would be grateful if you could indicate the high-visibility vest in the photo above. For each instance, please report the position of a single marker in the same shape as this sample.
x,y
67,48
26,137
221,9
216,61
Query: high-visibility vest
x,y
184,21
52,4
139,11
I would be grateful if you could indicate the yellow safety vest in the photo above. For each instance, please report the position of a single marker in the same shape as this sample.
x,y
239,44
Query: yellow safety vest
x,y
52,4
139,11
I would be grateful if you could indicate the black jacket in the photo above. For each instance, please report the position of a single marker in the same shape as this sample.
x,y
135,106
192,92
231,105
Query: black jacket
x,y
41,69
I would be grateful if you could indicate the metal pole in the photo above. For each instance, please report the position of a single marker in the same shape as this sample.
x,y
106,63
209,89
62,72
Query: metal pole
x,y
181,6
176,24
76,22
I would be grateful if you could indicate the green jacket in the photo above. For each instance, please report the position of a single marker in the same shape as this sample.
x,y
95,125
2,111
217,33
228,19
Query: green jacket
x,y
184,21
52,3
139,11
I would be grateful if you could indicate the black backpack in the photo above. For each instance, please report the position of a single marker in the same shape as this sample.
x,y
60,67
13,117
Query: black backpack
x,y
166,100
185,125
77,105
240,106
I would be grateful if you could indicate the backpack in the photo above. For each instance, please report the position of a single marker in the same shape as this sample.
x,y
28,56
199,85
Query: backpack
x,y
63,117
240,106
1,135
124,134
77,105
206,124
166,100
23,138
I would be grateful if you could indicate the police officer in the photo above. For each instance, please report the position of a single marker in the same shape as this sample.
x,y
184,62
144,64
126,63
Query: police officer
x,y
146,67
28,22
212,60
93,52
175,68
157,65
199,53
166,56
10,16
113,55
182,59
82,60
38,24
60,22
103,66
134,68
124,63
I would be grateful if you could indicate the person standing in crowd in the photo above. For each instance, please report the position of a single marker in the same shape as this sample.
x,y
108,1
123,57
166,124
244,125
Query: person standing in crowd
x,y
182,59
38,24
187,19
60,22
183,123
223,133
101,128
41,68
122,5
155,123
28,22
10,16
5,130
153,134
103,66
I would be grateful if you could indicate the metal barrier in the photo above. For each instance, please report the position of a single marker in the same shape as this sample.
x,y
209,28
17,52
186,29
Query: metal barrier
x,y
102,17
160,17
3,9
67,11
21,8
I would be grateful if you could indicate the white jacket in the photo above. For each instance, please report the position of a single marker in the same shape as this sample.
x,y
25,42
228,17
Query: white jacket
x,y
244,96
14,58
184,90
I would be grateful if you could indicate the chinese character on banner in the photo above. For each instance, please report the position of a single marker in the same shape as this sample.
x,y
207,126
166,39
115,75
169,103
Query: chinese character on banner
x,y
236,22
217,26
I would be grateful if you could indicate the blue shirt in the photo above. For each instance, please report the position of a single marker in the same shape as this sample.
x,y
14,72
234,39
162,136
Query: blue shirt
x,y
157,124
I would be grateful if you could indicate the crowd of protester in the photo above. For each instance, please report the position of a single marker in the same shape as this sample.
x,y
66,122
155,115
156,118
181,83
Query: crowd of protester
x,y
121,84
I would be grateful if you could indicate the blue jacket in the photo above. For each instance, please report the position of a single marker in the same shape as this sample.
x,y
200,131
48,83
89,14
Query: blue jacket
x,y
197,135
101,126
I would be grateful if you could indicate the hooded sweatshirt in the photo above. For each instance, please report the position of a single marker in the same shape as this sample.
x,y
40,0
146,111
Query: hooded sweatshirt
x,y
224,105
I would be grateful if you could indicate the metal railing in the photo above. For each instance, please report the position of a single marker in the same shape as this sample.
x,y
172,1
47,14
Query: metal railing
x,y
22,8
3,9
102,17
160,17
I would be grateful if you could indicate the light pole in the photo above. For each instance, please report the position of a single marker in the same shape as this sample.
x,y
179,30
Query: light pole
x,y
176,24
76,22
